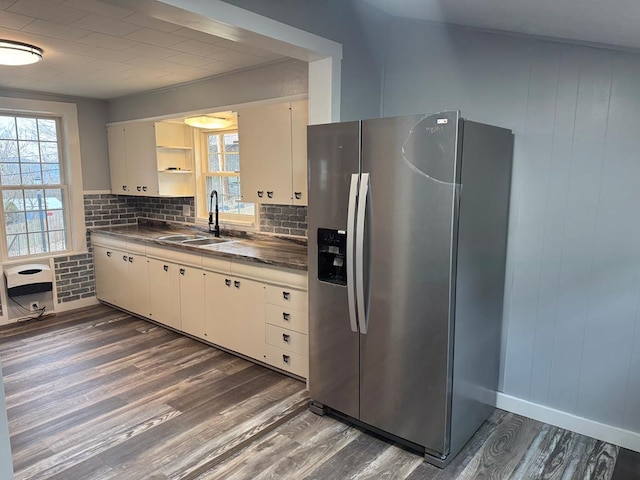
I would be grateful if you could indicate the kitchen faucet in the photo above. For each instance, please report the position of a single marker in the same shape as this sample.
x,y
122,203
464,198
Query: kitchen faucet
x,y
216,227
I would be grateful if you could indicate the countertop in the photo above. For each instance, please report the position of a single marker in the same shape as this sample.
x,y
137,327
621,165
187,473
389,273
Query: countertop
x,y
258,248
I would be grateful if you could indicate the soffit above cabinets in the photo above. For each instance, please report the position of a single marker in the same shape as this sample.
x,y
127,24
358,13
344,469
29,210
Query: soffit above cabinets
x,y
610,22
99,50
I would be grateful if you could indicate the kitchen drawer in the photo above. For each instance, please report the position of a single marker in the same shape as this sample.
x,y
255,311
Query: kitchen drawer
x,y
289,318
285,276
287,340
287,297
108,241
246,269
216,264
175,256
288,361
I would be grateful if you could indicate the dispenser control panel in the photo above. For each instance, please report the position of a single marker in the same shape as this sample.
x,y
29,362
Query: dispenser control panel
x,y
332,256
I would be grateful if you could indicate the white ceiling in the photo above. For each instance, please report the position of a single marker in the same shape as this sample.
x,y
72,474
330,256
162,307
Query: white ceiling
x,y
94,49
610,22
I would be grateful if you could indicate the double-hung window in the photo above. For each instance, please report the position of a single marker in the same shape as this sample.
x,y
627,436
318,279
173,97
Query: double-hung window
x,y
220,171
34,192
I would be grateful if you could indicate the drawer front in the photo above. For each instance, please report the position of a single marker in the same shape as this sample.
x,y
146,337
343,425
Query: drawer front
x,y
287,339
216,264
108,241
246,269
287,297
288,318
175,256
288,361
285,276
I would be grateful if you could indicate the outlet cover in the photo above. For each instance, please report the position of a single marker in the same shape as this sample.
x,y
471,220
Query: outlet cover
x,y
186,210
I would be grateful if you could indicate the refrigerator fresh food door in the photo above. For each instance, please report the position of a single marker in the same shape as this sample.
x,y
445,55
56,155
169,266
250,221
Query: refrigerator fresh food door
x,y
409,242
334,162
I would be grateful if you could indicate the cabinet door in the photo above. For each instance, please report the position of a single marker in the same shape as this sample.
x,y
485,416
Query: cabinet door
x,y
164,289
192,314
220,310
106,273
299,121
138,285
250,317
140,145
265,153
118,160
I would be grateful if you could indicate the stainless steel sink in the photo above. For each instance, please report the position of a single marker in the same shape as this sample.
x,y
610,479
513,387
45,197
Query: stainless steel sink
x,y
205,241
182,238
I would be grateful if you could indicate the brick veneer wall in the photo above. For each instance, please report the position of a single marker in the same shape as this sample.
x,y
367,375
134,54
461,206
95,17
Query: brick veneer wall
x,y
283,219
75,277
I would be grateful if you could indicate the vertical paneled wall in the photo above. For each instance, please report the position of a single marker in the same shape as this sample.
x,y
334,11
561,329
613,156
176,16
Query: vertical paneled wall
x,y
571,337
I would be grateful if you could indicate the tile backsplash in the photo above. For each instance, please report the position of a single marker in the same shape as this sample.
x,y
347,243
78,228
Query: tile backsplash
x,y
283,219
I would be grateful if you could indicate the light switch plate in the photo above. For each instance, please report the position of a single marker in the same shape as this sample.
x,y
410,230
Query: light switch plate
x,y
186,210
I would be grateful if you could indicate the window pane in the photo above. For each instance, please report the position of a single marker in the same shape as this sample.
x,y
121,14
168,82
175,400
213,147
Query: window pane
x,y
57,241
55,219
38,242
230,142
7,127
212,141
10,174
54,198
16,222
17,245
33,200
27,128
232,162
214,162
47,130
31,174
49,152
13,201
8,151
29,152
51,174
228,189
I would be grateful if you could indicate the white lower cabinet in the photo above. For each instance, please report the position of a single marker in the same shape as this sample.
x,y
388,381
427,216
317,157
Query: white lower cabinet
x,y
235,312
257,311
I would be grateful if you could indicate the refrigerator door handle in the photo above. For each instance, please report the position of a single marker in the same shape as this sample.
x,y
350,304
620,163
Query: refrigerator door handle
x,y
351,228
363,199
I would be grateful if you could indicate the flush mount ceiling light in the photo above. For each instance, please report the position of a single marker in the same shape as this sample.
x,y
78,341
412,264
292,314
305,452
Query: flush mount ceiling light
x,y
18,53
207,121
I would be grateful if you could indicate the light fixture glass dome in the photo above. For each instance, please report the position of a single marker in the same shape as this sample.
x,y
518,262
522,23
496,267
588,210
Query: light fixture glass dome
x,y
18,53
207,121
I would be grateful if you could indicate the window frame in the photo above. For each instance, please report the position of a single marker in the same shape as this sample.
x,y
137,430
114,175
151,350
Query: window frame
x,y
227,219
70,171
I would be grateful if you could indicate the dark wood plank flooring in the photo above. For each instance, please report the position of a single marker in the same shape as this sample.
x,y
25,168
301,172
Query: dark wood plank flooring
x,y
98,394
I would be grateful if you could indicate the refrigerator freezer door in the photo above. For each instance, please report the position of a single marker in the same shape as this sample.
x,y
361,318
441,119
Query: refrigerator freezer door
x,y
405,379
334,156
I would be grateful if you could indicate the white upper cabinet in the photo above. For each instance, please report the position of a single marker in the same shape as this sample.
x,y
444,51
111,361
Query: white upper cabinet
x,y
151,159
273,153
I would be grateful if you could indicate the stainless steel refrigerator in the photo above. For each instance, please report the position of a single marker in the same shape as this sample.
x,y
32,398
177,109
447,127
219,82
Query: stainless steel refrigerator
x,y
407,240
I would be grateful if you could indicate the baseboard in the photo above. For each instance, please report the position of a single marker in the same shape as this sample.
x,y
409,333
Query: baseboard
x,y
83,302
581,425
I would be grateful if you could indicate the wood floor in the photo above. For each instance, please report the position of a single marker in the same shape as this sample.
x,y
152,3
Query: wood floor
x,y
98,394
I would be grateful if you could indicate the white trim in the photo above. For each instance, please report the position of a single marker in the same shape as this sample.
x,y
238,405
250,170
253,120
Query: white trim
x,y
97,192
584,426
71,159
83,302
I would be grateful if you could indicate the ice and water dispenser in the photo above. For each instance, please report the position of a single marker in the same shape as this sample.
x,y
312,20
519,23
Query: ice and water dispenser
x,y
332,256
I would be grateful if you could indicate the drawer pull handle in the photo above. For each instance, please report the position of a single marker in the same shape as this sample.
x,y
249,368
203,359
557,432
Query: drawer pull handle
x,y
285,358
286,295
124,188
227,282
236,284
286,337
286,316
124,257
144,189
270,194
165,268
130,259
108,254
298,195
260,193
182,271
139,188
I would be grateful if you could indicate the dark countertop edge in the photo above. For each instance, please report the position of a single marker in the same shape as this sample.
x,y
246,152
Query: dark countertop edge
x,y
129,236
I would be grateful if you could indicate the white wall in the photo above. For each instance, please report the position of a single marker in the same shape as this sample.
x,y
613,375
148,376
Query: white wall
x,y
6,463
572,309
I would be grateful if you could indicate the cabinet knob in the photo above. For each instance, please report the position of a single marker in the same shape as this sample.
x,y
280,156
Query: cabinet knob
x,y
108,254
286,316
236,284
298,195
165,268
286,337
130,259
227,282
270,194
286,295
182,271
285,358
139,188
260,193
124,188
144,188
124,257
